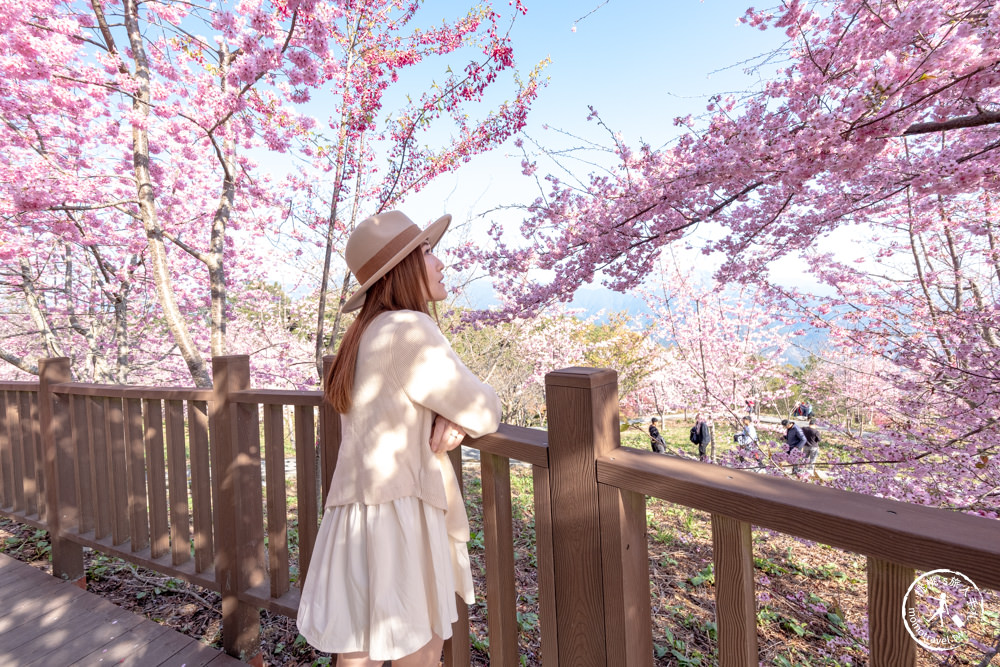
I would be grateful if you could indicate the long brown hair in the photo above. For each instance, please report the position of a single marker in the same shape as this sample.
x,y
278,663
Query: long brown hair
x,y
403,288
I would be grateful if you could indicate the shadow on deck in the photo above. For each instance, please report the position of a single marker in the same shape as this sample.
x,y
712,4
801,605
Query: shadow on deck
x,y
46,621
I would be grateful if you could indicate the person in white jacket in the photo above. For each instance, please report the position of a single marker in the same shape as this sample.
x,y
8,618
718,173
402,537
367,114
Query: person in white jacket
x,y
391,551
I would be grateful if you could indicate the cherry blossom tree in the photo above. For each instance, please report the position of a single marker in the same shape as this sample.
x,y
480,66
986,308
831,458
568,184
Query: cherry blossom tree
x,y
131,188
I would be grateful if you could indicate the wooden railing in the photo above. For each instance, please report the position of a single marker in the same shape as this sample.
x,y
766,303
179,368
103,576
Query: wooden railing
x,y
191,483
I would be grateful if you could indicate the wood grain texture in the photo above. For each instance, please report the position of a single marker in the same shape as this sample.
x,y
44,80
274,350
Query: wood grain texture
x,y
277,503
309,502
7,481
202,487
29,452
626,577
59,470
11,429
114,430
920,537
156,477
458,649
234,516
180,518
32,440
889,643
545,568
138,514
735,604
100,465
583,425
499,540
83,461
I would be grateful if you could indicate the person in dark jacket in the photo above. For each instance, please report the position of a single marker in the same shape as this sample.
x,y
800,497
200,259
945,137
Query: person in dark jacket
x,y
812,435
655,439
703,434
795,438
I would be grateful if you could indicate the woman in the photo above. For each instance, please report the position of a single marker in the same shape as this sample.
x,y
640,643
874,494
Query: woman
x,y
391,551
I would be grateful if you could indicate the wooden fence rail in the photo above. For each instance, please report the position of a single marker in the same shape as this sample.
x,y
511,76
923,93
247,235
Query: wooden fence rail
x,y
192,483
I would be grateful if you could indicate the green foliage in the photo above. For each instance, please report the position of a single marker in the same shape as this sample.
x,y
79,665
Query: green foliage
x,y
706,576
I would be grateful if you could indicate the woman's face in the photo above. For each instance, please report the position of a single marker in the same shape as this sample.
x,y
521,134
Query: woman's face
x,y
435,275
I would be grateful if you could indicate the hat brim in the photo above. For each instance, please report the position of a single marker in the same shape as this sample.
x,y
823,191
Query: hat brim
x,y
431,235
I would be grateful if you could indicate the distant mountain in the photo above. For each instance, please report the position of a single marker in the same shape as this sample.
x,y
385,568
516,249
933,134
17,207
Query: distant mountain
x,y
594,300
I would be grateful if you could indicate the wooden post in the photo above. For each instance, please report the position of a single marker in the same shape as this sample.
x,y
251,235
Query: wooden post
x,y
889,643
735,606
457,651
626,576
582,406
60,473
239,557
329,437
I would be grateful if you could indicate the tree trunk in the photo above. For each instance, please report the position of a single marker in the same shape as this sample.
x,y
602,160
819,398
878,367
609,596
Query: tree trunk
x,y
147,207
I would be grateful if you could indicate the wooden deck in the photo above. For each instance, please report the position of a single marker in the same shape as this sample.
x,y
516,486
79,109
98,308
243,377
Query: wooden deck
x,y
45,621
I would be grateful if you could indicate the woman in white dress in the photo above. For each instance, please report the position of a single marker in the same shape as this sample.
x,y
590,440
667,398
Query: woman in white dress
x,y
391,551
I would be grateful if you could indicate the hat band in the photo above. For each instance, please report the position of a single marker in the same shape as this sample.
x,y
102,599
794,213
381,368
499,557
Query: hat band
x,y
387,252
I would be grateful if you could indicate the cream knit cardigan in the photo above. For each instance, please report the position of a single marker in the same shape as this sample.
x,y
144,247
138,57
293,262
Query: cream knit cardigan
x,y
406,373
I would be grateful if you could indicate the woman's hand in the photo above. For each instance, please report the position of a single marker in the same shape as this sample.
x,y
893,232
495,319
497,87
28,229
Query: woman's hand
x,y
446,435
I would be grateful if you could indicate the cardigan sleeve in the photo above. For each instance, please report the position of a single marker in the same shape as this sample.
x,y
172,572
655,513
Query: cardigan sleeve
x,y
433,376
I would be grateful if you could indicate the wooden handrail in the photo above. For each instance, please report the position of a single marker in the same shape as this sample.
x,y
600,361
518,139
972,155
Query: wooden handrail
x,y
19,386
132,391
915,536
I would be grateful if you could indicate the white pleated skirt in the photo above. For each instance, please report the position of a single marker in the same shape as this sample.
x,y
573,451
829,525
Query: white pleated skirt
x,y
382,579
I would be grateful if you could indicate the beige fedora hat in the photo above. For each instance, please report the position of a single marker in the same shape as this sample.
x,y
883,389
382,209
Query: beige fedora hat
x,y
380,243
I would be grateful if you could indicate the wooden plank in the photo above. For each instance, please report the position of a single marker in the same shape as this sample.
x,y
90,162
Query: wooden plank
x,y
458,648
735,604
101,468
546,574
309,502
919,537
101,625
34,501
498,521
156,477
11,430
81,436
73,615
130,649
329,434
118,457
6,461
582,407
202,492
626,577
180,529
889,643
277,503
138,515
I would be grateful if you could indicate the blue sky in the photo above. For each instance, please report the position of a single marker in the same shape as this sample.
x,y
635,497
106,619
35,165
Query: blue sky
x,y
639,63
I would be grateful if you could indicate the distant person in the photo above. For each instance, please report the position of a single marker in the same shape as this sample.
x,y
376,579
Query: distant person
x,y
751,404
803,409
811,432
748,436
794,438
655,439
701,435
